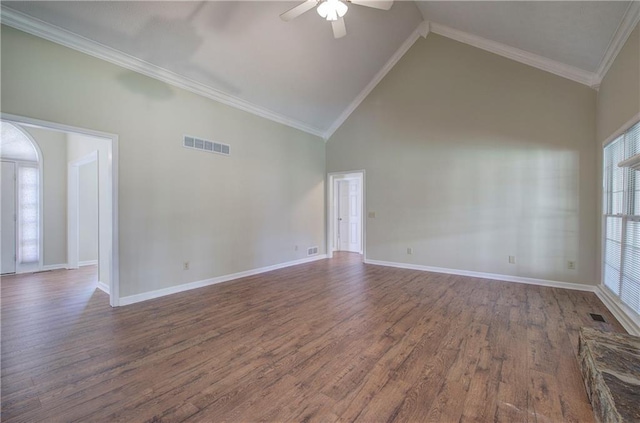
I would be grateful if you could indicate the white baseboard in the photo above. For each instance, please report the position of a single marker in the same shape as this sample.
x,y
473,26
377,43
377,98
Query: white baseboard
x,y
103,287
219,279
618,310
47,267
66,265
494,276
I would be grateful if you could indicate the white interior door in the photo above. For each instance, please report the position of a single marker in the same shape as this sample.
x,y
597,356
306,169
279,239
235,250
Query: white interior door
x,y
355,216
343,215
348,212
8,217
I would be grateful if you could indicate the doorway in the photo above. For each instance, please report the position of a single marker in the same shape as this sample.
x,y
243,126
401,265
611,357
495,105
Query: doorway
x,y
346,226
85,143
83,235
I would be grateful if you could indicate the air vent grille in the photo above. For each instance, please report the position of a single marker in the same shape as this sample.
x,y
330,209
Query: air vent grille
x,y
206,145
312,251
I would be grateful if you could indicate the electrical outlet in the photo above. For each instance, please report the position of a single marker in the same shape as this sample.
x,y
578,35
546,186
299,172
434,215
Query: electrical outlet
x,y
409,250
295,248
185,265
512,259
372,215
571,265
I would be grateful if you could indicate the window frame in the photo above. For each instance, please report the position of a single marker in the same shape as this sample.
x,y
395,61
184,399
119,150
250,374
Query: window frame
x,y
625,215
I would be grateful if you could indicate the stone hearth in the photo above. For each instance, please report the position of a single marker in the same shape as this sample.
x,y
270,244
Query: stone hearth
x,y
610,364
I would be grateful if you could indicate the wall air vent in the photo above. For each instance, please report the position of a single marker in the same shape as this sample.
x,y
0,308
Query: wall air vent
x,y
312,251
206,145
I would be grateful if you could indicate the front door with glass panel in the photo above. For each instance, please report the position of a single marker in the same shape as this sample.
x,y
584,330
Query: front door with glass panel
x,y
20,203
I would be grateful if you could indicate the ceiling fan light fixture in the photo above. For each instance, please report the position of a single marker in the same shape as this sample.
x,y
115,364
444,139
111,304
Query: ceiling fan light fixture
x,y
331,10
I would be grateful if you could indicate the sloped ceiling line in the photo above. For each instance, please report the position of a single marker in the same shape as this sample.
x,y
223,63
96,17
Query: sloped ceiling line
x,y
591,79
422,30
578,75
66,38
628,24
552,66
74,41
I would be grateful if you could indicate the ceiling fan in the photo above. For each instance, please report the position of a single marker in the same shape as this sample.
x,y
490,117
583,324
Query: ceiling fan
x,y
334,11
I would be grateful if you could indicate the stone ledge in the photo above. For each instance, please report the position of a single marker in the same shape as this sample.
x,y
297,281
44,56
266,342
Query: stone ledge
x,y
610,364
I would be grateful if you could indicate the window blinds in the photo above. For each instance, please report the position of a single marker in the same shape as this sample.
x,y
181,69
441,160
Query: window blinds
x,y
621,208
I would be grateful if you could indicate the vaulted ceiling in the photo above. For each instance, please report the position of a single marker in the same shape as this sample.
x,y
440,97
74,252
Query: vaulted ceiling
x,y
241,53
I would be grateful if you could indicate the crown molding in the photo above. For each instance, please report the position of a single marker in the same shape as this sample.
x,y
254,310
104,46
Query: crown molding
x,y
422,30
566,71
626,27
77,42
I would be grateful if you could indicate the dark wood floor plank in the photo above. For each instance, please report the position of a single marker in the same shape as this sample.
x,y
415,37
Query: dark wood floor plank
x,y
333,340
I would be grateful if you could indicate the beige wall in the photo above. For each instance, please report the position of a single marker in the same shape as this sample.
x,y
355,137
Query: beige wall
x,y
471,158
78,147
618,102
619,93
88,212
223,214
53,146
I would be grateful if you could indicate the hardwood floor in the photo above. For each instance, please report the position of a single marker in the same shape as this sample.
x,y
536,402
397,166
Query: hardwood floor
x,y
326,341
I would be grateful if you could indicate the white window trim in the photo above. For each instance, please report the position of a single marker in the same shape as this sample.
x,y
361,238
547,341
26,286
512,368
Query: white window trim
x,y
624,313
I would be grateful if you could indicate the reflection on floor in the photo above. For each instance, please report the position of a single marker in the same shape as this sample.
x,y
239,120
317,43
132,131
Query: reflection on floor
x,y
328,340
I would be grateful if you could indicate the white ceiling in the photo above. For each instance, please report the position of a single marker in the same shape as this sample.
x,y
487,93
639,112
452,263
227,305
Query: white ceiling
x,y
296,69
244,49
576,33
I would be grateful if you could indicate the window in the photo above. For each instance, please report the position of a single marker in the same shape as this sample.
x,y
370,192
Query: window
x,y
621,208
28,206
17,147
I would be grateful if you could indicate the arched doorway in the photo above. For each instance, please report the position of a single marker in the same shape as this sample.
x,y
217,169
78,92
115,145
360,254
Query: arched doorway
x,y
21,204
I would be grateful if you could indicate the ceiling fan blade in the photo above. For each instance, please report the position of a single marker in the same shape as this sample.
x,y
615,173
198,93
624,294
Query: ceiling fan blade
x,y
339,28
376,4
298,10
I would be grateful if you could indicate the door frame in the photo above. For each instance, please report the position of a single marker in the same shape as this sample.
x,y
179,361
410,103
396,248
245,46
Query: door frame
x,y
73,209
331,178
112,171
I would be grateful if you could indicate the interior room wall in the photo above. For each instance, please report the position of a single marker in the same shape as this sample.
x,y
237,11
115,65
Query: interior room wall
x,y
88,212
619,92
53,146
222,214
618,102
78,147
471,158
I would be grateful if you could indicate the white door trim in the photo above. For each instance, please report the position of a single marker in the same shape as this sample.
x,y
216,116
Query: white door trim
x,y
112,171
73,204
331,178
